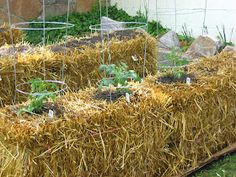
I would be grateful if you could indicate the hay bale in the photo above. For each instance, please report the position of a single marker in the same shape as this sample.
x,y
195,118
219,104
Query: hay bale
x,y
165,130
81,64
5,35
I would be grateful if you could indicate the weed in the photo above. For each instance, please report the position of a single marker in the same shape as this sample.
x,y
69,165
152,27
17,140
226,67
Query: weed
x,y
186,38
223,38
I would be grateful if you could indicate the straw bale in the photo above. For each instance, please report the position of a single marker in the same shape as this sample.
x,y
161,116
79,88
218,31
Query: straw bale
x,y
81,64
165,130
5,35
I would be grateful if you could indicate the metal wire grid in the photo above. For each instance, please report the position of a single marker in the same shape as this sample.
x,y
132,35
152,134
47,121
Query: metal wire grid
x,y
25,26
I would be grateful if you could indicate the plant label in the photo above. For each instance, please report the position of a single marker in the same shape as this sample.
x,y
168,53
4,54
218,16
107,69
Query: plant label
x,y
0,78
127,97
188,80
134,58
51,114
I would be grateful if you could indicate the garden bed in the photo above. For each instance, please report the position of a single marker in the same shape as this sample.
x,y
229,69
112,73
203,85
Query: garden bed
x,y
165,130
81,66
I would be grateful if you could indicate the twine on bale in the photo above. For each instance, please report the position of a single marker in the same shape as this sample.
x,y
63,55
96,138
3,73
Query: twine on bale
x,y
165,130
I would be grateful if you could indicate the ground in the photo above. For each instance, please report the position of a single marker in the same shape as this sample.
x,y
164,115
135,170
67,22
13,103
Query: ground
x,y
225,167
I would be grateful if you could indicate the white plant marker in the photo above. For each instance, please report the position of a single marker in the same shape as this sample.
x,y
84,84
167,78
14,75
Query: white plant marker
x,y
50,114
188,80
127,97
134,58
0,78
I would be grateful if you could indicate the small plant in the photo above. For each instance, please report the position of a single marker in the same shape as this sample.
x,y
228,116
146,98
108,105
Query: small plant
x,y
186,38
119,76
41,92
223,38
176,63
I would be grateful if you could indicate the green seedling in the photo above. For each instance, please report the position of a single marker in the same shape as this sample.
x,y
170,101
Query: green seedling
x,y
119,76
176,62
41,92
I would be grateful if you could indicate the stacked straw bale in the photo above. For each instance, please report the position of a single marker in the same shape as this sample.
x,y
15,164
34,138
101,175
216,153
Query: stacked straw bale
x,y
165,130
80,64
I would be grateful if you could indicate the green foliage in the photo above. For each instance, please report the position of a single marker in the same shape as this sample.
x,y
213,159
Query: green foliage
x,y
41,92
186,38
223,38
222,168
118,75
82,21
186,35
152,28
176,62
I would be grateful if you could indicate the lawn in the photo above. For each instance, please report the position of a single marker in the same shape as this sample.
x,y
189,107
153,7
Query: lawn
x,y
225,167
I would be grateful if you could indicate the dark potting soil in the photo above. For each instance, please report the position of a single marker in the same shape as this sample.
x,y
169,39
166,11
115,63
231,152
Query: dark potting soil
x,y
171,79
91,41
57,109
2,30
109,96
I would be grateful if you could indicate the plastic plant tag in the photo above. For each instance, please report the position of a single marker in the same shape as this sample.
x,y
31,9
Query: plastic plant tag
x,y
134,58
127,97
188,80
0,78
51,114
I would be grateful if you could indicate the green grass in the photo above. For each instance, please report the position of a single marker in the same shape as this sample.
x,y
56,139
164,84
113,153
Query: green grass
x,y
225,167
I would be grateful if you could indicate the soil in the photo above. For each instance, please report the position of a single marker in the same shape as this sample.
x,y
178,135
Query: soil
x,y
57,109
171,79
109,96
91,41
2,30
11,51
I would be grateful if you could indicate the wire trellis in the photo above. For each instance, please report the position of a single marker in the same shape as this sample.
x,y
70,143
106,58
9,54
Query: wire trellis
x,y
105,31
30,26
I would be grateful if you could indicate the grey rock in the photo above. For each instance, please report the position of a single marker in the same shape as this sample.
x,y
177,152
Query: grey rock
x,y
108,24
229,49
203,46
12,51
169,40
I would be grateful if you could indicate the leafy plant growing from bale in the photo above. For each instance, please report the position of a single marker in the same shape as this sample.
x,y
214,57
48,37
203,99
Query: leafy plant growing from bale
x,y
117,82
174,67
41,92
223,38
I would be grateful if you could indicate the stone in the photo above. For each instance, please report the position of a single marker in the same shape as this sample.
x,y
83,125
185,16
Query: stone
x,y
84,5
24,10
169,40
56,9
27,9
203,46
12,51
110,25
229,49
4,18
3,4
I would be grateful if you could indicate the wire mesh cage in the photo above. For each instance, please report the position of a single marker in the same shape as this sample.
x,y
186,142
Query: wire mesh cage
x,y
39,84
116,72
